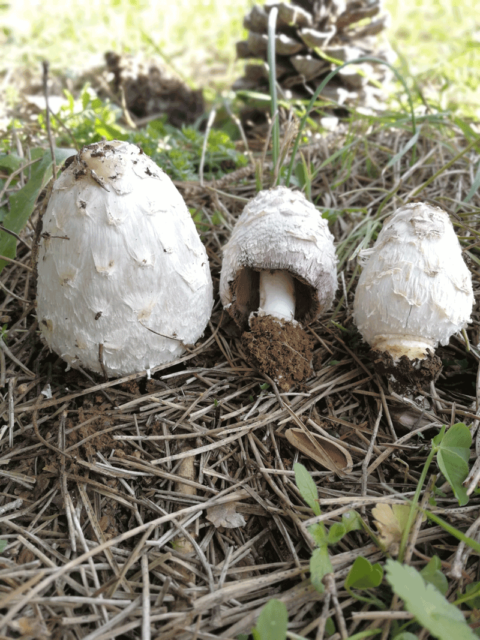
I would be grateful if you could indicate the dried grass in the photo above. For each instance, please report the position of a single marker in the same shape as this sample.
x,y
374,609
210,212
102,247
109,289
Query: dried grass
x,y
103,538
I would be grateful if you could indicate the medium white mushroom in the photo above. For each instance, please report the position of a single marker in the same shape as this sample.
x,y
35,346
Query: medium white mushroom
x,y
279,272
123,279
415,291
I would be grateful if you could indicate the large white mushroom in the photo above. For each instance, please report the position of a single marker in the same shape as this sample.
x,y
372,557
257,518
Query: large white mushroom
x,y
415,291
123,278
279,273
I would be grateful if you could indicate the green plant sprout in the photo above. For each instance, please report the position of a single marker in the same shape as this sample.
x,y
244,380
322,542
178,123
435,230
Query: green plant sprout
x,y
22,202
452,449
425,601
176,151
424,592
320,563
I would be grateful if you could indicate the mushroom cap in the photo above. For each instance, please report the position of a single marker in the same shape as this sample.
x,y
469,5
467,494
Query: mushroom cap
x,y
119,262
415,285
279,229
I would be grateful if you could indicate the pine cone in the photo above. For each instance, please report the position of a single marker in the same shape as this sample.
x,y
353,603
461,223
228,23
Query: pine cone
x,y
305,30
149,90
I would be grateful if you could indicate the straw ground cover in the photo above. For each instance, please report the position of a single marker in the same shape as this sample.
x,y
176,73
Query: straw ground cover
x,y
92,514
171,507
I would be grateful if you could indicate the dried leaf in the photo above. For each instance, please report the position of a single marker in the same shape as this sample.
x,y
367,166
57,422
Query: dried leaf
x,y
31,627
390,522
225,515
324,451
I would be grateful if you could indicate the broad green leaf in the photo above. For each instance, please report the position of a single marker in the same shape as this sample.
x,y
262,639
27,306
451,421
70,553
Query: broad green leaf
x,y
320,565
432,573
335,533
23,201
405,635
430,608
318,533
3,544
243,636
364,575
307,487
11,161
365,634
300,174
272,622
351,521
330,628
452,458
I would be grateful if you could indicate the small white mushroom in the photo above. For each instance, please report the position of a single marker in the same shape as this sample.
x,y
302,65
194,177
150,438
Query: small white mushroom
x,y
123,278
415,291
279,263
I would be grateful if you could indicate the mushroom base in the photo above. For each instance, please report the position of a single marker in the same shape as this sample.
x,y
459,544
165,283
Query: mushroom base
x,y
404,374
280,349
403,345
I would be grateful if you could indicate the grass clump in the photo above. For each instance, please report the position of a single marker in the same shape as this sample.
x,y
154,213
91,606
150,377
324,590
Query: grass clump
x,y
176,151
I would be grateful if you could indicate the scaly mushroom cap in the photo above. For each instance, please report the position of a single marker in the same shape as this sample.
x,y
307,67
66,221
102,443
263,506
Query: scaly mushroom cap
x,y
119,262
415,290
279,229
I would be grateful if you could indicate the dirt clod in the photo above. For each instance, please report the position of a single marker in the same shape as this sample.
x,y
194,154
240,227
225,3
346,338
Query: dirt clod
x,y
280,349
407,375
149,90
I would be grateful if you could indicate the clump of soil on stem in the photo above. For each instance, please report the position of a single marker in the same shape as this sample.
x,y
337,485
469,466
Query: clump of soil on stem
x,y
407,375
280,349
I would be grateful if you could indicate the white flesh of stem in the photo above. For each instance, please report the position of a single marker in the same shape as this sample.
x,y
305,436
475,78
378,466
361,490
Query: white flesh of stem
x,y
277,294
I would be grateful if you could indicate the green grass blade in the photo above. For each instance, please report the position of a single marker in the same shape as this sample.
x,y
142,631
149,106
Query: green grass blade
x,y
473,544
272,21
322,86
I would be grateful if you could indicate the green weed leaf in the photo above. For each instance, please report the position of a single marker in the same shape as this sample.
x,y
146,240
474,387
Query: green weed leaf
x,y
23,201
405,635
335,533
272,622
431,609
471,597
351,521
3,544
364,575
10,161
320,565
319,534
452,458
307,487
432,573
330,627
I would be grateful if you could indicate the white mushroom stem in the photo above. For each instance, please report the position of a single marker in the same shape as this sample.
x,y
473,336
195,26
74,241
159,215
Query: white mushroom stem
x,y
403,345
277,294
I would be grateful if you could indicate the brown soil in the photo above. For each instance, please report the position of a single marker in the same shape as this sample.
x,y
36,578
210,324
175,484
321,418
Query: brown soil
x,y
408,375
150,91
282,350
